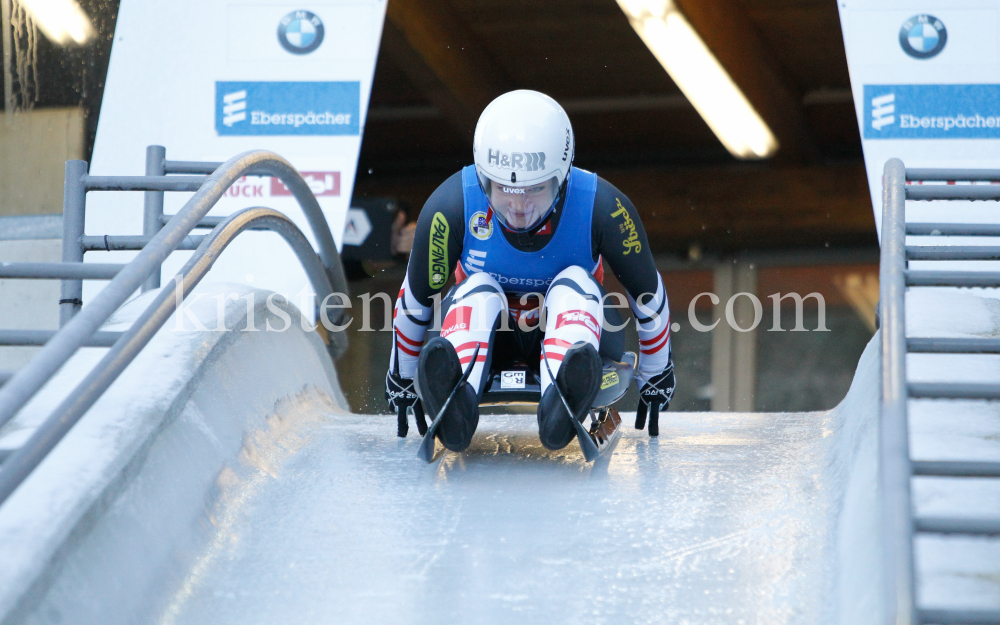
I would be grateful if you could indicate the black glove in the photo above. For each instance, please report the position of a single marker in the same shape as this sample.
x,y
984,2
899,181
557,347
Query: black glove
x,y
401,394
654,396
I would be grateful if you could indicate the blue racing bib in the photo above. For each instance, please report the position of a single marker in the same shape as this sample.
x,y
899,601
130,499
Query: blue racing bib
x,y
485,248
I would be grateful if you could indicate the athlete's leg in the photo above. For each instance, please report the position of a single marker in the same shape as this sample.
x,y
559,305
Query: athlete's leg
x,y
574,317
613,332
573,313
472,312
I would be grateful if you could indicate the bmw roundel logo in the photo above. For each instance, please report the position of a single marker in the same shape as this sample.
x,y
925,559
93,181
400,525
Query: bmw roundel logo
x,y
923,36
300,32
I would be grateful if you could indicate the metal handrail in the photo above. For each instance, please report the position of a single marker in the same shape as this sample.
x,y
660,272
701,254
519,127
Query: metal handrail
x,y
953,192
324,270
951,175
60,271
41,337
78,182
19,464
951,229
118,243
894,465
144,183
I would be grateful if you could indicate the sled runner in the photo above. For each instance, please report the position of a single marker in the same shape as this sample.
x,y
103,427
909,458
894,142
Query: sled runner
x,y
520,383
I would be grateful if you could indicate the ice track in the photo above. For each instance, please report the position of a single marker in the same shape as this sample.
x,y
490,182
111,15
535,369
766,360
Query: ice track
x,y
724,519
231,492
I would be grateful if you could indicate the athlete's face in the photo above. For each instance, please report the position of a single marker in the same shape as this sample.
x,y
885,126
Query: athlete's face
x,y
522,207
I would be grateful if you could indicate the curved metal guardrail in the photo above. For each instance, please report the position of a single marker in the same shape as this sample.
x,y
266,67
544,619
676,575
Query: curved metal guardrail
x,y
323,270
895,466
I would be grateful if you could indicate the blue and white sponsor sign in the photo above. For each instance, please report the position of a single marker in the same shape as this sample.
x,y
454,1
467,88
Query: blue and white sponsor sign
x,y
925,80
274,75
287,108
932,111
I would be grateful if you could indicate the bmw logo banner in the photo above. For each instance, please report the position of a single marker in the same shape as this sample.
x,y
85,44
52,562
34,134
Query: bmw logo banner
x,y
923,36
300,32
925,84
210,79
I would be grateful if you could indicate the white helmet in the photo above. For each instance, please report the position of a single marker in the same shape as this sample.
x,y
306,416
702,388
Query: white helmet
x,y
523,149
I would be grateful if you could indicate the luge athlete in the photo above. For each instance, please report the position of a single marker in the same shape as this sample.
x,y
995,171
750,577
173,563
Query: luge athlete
x,y
520,223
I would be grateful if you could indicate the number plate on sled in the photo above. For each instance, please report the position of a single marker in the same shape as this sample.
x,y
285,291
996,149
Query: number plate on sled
x,y
512,379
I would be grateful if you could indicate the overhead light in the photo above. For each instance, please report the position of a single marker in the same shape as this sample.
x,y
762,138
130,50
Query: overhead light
x,y
700,76
62,21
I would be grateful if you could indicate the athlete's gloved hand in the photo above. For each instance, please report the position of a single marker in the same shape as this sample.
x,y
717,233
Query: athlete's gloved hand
x,y
655,395
401,394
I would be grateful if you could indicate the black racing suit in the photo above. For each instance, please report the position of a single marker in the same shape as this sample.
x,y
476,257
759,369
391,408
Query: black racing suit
x,y
617,236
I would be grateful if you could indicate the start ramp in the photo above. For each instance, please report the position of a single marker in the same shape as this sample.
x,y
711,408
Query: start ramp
x,y
241,490
727,518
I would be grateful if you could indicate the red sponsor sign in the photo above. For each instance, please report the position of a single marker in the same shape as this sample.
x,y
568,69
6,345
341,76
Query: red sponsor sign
x,y
321,183
580,318
246,187
456,319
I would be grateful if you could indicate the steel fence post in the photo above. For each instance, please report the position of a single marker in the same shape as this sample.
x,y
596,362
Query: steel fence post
x,y
156,156
74,207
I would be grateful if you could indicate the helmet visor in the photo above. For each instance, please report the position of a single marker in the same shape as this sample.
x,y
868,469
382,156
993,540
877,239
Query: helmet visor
x,y
521,207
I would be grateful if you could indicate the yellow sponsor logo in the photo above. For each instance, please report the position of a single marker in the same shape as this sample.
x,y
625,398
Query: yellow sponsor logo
x,y
439,251
631,242
609,380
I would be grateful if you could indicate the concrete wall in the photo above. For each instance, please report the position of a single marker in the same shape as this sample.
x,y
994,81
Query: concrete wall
x,y
34,148
121,508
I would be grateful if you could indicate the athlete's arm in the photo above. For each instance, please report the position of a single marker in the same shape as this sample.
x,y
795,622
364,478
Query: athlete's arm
x,y
437,245
617,235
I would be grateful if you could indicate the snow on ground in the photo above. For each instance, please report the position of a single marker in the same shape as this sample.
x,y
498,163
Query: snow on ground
x,y
955,571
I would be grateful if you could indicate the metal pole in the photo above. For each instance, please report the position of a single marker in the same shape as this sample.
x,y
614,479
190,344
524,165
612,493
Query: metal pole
x,y
41,337
145,183
125,242
952,174
894,466
953,192
152,215
74,206
60,271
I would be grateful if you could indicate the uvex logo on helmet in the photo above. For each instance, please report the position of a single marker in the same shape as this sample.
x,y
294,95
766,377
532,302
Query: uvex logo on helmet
x,y
517,161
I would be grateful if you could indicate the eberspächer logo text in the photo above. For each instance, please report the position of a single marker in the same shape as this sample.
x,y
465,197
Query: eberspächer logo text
x,y
287,108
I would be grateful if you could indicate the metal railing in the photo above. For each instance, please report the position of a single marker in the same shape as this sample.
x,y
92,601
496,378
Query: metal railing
x,y
80,325
896,468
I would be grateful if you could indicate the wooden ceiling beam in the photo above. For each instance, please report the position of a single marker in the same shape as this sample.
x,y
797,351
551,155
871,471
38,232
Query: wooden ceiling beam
x,y
442,56
733,208
727,30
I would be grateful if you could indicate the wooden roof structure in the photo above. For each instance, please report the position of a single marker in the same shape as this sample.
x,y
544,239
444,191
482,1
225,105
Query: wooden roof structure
x,y
442,61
